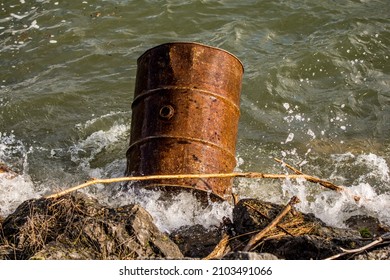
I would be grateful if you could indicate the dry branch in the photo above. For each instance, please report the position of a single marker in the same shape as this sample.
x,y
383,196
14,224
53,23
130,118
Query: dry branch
x,y
200,176
255,239
374,243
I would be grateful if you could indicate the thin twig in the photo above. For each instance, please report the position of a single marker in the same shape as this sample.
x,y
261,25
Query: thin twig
x,y
255,239
323,183
377,241
312,179
197,176
296,171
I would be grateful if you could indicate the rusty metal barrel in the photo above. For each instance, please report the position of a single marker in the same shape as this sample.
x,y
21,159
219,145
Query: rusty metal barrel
x,y
185,115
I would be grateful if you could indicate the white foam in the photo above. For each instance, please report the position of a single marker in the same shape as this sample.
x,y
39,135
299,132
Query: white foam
x,y
14,189
311,133
33,25
93,121
376,165
13,151
182,210
334,208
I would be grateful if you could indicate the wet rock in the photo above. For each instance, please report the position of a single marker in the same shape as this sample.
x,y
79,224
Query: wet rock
x,y
367,226
78,227
196,241
297,236
306,247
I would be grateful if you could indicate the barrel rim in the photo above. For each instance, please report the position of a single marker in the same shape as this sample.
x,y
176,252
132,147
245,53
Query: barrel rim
x,y
193,43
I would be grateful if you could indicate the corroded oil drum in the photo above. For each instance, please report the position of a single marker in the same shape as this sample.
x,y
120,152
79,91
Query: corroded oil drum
x,y
185,115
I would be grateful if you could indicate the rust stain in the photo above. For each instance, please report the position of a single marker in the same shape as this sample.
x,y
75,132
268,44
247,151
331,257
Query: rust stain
x,y
185,115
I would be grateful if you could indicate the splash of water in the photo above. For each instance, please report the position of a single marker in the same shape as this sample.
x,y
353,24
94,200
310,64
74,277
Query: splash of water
x,y
371,185
184,209
180,210
87,150
14,187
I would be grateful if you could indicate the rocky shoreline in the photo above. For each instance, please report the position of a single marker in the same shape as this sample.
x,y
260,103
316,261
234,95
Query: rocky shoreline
x,y
77,226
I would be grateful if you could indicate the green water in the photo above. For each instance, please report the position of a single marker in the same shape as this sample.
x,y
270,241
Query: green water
x,y
315,90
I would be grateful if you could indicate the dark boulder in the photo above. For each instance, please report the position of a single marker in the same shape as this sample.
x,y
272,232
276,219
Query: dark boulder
x,y
196,241
367,226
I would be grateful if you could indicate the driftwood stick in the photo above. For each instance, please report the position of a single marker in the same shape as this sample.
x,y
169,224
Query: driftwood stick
x,y
377,241
255,239
195,176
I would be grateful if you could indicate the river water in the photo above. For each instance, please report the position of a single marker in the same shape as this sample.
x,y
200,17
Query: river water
x,y
315,94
